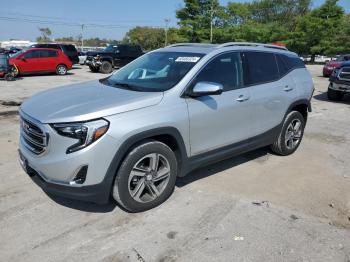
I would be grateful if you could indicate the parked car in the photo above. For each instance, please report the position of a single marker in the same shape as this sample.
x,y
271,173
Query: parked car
x,y
130,135
331,65
113,56
41,60
82,58
68,49
6,71
339,82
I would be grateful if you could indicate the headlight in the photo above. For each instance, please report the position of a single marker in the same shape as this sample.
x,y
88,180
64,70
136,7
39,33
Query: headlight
x,y
85,132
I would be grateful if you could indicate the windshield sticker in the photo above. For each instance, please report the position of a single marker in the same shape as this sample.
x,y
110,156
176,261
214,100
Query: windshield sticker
x,y
187,59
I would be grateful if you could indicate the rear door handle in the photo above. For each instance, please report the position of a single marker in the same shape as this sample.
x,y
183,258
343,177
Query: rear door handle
x,y
288,88
242,98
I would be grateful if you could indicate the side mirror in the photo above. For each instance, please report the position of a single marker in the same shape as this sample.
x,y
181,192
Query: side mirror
x,y
206,89
23,58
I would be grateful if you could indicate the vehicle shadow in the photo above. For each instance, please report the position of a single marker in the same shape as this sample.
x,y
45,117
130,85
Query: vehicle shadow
x,y
323,97
45,74
180,182
218,167
83,206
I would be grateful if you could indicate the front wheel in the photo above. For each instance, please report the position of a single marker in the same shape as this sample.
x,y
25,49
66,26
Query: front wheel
x,y
291,134
146,177
61,70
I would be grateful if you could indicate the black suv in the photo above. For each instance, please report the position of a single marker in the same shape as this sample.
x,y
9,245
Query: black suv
x,y
112,56
67,49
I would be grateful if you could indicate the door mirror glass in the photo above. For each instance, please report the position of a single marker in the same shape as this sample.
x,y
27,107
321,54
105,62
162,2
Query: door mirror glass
x,y
206,89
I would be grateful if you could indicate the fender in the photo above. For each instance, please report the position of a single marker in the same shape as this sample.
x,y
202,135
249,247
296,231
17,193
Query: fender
x,y
107,58
300,102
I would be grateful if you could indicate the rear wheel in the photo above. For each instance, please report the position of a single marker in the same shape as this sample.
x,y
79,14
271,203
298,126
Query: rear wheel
x,y
61,70
291,134
146,177
334,95
106,67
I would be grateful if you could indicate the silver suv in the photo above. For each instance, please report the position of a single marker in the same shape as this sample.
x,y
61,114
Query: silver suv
x,y
172,110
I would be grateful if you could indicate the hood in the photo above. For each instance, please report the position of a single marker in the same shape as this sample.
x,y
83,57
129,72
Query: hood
x,y
86,101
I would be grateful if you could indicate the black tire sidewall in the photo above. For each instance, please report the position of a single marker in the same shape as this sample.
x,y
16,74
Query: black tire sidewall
x,y
290,117
57,72
106,70
122,177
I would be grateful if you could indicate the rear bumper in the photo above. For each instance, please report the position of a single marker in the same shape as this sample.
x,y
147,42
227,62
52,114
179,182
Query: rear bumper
x,y
327,72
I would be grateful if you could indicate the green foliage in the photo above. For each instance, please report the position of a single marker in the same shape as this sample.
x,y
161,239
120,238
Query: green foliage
x,y
45,35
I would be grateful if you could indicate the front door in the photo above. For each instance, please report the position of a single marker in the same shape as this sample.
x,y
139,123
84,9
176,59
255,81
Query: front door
x,y
220,120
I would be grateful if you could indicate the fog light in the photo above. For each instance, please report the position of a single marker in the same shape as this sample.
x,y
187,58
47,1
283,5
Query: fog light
x,y
80,176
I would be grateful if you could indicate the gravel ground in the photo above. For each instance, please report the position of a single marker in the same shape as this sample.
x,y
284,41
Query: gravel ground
x,y
255,207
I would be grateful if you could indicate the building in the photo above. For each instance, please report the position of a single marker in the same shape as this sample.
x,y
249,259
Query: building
x,y
16,43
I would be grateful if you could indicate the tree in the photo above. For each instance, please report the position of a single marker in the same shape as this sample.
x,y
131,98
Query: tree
x,y
316,32
195,19
45,34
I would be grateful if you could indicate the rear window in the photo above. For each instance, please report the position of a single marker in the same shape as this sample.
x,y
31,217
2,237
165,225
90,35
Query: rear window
x,y
69,48
259,67
48,53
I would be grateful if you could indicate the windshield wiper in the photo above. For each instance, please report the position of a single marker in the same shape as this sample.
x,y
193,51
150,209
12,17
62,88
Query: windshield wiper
x,y
126,85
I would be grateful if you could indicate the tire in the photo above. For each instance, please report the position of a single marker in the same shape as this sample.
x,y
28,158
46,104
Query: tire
x,y
9,77
334,95
290,136
94,69
61,70
106,67
134,173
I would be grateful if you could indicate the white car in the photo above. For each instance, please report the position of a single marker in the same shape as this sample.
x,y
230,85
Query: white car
x,y
82,58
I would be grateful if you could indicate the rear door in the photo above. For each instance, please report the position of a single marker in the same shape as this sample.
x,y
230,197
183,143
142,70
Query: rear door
x,y
48,60
272,91
220,120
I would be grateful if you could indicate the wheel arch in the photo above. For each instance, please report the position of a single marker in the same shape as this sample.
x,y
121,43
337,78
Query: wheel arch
x,y
303,106
167,135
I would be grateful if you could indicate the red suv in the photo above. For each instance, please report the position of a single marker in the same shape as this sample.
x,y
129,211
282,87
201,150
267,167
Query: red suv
x,y
41,60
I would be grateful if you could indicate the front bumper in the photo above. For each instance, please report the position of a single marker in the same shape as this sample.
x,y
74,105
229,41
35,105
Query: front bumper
x,y
55,171
341,87
98,193
93,63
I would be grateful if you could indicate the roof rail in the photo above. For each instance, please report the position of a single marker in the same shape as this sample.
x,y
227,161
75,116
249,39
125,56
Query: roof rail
x,y
251,44
191,44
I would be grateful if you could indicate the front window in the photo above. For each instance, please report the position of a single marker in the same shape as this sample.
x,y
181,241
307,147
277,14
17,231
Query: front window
x,y
154,72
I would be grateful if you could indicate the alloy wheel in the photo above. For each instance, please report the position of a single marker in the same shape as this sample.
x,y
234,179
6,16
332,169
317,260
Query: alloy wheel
x,y
149,177
293,134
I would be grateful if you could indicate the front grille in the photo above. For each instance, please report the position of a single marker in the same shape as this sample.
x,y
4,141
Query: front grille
x,y
344,74
34,138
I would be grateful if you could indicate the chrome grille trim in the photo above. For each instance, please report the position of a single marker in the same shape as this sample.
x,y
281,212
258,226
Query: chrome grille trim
x,y
33,137
344,74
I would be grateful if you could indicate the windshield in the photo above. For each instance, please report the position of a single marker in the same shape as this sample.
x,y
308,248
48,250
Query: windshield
x,y
155,72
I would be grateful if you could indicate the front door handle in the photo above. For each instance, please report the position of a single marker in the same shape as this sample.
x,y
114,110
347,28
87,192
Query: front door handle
x,y
242,98
288,88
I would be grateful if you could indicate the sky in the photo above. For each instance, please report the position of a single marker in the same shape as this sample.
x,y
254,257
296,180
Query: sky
x,y
22,19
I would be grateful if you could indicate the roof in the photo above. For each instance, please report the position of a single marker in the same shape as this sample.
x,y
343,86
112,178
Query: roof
x,y
207,48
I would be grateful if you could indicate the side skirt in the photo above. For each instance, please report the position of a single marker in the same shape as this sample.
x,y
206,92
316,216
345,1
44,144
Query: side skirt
x,y
235,149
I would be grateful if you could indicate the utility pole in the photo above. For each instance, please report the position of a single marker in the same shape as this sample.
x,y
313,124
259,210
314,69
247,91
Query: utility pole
x,y
211,20
167,21
82,37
